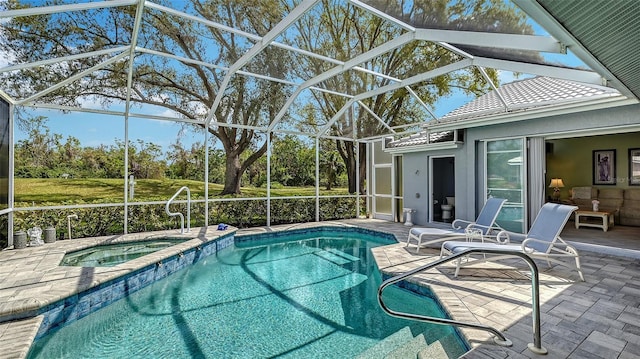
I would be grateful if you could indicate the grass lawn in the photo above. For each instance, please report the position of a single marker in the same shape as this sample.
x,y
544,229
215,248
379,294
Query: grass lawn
x,y
33,191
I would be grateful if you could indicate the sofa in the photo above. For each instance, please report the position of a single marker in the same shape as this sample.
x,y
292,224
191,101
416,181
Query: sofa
x,y
624,203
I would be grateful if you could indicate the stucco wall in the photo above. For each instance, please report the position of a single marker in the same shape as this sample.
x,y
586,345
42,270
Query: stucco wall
x,y
416,182
469,175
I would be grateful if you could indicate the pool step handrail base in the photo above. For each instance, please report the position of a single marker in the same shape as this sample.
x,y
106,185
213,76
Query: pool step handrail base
x,y
172,214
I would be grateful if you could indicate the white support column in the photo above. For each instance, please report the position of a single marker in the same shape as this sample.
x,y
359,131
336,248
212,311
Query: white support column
x,y
268,179
357,154
12,179
206,176
134,40
126,173
317,179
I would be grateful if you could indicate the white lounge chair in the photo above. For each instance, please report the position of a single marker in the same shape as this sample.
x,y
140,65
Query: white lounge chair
x,y
542,242
485,223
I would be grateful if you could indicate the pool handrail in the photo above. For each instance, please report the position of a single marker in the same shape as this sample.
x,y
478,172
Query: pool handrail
x,y
172,214
499,338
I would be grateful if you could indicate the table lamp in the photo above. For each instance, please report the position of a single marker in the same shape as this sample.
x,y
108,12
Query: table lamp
x,y
556,184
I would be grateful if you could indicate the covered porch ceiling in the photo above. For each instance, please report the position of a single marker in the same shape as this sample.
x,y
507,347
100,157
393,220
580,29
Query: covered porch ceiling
x,y
585,42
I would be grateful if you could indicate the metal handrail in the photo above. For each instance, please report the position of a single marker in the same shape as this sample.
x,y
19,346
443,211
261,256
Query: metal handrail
x,y
171,214
500,339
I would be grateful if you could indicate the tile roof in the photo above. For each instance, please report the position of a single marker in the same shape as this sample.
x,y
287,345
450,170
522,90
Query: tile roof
x,y
527,94
420,138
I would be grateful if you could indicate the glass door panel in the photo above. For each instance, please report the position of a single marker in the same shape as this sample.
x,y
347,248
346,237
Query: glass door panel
x,y
505,179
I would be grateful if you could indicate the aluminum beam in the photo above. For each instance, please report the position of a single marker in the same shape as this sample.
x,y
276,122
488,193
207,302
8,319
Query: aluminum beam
x,y
45,10
392,87
224,68
73,78
491,39
493,86
584,76
366,56
375,116
415,95
252,37
135,33
63,58
280,27
382,15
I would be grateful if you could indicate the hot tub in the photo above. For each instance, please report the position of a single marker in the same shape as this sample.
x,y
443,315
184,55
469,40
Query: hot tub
x,y
113,254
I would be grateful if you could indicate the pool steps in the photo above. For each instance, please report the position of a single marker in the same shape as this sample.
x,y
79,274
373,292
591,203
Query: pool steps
x,y
386,345
403,345
438,349
410,349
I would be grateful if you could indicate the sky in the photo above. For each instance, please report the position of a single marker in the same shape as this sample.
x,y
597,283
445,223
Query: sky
x,y
95,129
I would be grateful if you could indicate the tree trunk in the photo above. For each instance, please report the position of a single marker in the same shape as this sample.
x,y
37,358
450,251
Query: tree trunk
x,y
235,167
363,167
233,174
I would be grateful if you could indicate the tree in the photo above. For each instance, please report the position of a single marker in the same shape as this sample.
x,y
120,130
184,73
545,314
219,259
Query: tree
x,y
331,166
145,160
342,32
186,163
36,156
292,163
188,88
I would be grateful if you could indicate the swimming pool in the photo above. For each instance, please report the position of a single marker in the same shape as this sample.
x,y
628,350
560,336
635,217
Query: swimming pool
x,y
109,255
287,297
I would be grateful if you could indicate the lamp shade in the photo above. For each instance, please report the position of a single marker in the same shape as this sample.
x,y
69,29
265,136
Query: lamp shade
x,y
556,183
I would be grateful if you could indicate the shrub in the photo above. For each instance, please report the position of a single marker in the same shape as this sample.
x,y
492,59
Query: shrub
x,y
108,220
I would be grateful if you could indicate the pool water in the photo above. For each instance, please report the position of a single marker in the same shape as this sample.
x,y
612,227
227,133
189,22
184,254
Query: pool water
x,y
310,298
113,254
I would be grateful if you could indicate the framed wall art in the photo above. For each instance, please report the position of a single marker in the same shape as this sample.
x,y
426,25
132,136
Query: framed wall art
x,y
634,166
604,167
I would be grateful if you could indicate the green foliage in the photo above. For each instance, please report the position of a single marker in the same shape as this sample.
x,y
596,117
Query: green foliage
x,y
343,31
292,162
44,155
91,222
103,221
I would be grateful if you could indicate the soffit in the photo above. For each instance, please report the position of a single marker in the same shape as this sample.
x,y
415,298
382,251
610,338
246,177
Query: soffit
x,y
609,30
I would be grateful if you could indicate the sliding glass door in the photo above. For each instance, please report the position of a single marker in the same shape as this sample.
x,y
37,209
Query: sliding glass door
x,y
505,178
